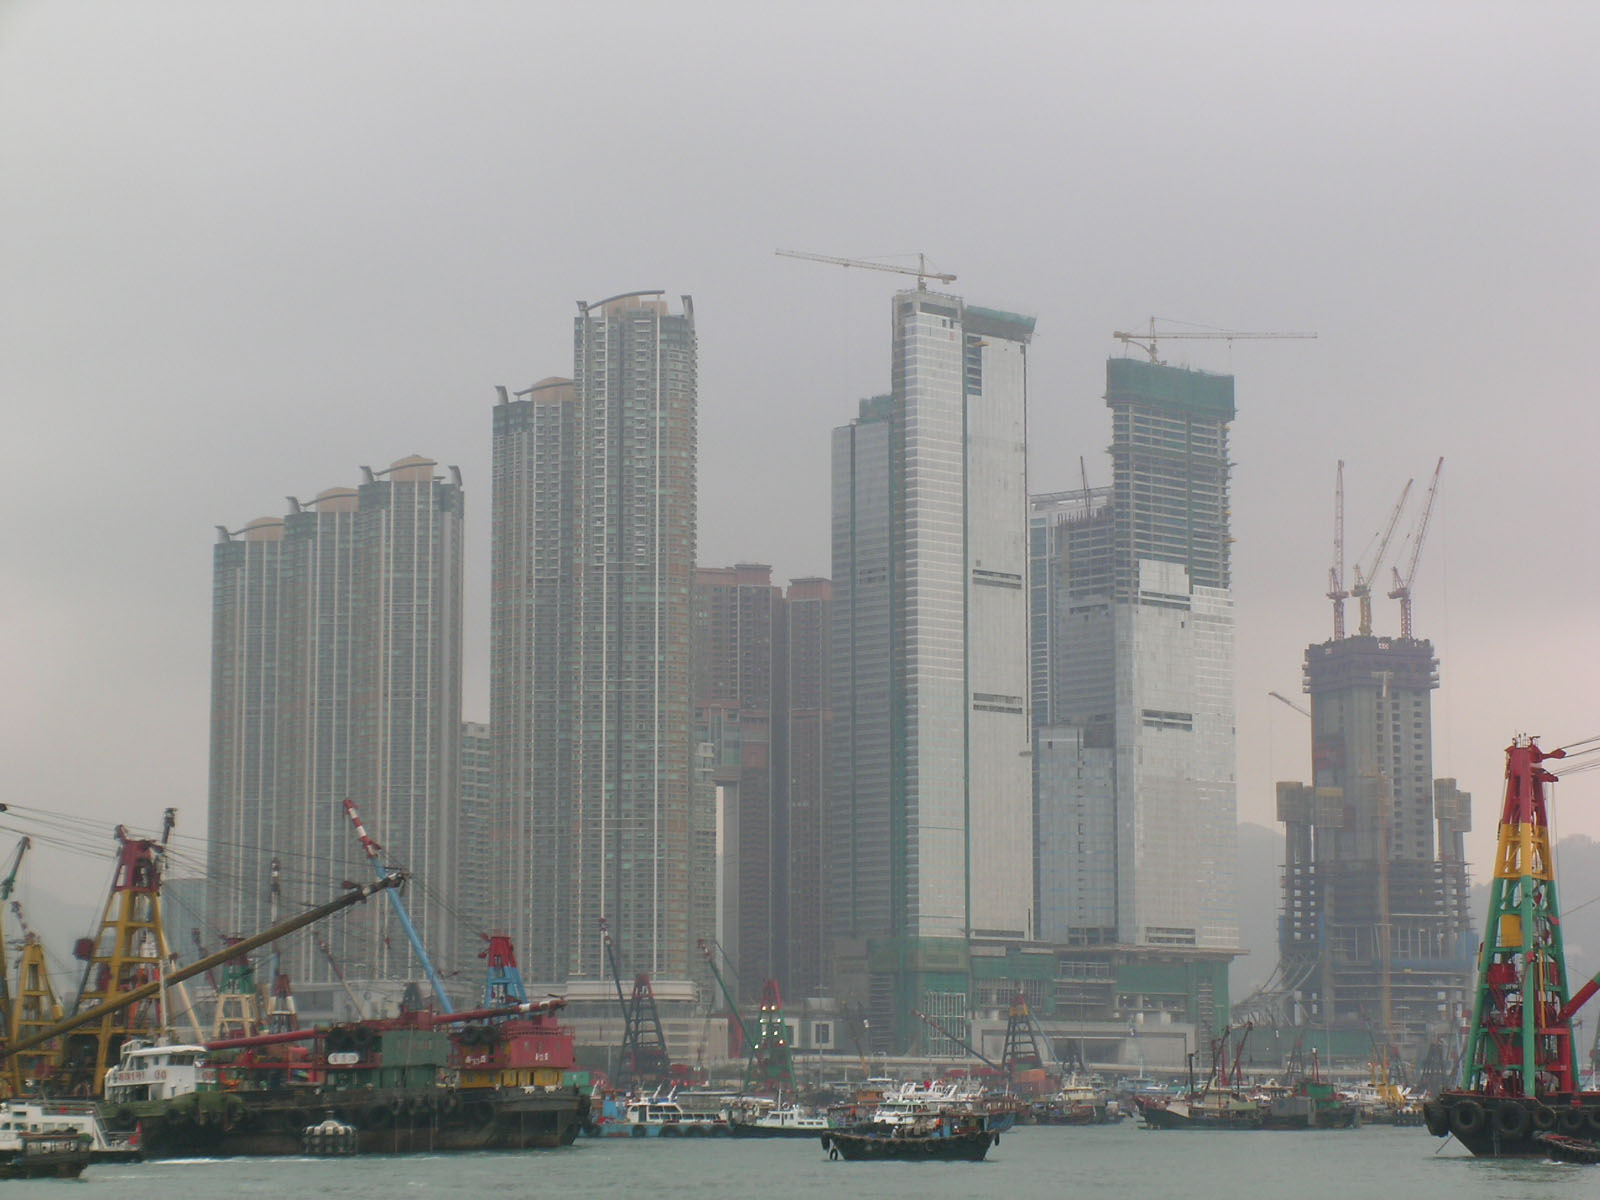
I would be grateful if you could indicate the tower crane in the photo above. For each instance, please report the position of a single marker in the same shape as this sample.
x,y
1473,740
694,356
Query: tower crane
x,y
1299,708
921,271
1402,584
1336,591
1361,589
1146,339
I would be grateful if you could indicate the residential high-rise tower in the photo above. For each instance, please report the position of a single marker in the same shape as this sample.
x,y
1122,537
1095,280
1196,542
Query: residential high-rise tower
x,y
594,545
336,673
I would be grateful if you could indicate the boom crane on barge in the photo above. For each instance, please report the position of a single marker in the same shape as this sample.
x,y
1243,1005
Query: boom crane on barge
x,y
645,1062
770,1065
1519,1076
104,1011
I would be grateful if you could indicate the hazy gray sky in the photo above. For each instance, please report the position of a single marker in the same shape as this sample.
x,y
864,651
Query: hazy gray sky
x,y
246,248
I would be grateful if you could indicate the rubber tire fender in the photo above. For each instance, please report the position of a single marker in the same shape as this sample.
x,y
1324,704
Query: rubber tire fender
x,y
1571,1120
1512,1119
1435,1118
1544,1118
1466,1118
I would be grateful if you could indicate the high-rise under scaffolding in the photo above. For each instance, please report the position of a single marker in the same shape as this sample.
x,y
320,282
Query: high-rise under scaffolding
x,y
1376,931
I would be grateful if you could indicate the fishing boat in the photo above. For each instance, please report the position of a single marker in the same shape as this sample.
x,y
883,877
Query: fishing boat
x,y
1309,1104
938,1138
1078,1102
62,1154
1203,1110
1220,1103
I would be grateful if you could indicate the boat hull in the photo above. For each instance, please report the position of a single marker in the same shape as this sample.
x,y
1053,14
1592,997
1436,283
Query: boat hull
x,y
741,1129
1184,1116
46,1156
967,1146
397,1121
1569,1149
1509,1126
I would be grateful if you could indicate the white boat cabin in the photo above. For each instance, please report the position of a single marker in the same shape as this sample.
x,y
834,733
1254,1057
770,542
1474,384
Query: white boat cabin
x,y
158,1072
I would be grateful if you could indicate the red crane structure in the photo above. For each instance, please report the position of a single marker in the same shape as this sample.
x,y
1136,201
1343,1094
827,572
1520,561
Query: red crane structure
x,y
645,1063
1519,1076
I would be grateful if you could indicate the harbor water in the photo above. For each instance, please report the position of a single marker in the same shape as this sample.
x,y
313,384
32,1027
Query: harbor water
x,y
1075,1163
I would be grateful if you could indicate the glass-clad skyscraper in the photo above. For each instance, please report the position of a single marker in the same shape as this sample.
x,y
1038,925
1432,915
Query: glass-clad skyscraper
x,y
930,828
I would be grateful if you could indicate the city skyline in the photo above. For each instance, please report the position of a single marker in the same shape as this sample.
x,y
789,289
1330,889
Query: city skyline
x,y
211,275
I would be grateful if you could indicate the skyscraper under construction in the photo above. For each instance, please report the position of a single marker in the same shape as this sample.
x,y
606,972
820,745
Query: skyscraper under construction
x,y
1376,932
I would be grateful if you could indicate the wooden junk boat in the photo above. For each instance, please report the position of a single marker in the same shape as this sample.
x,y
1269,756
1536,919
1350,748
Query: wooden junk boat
x,y
943,1137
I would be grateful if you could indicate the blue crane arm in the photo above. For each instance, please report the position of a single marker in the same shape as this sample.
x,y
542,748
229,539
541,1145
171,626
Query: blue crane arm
x,y
371,847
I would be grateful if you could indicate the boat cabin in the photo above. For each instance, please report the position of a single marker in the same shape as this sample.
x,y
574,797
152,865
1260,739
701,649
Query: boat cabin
x,y
158,1072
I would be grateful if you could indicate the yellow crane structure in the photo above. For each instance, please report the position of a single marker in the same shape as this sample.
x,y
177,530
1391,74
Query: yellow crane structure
x,y
1336,591
1361,589
1402,584
920,270
1146,339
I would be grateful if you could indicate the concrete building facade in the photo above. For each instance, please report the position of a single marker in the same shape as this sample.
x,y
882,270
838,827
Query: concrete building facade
x,y
762,719
808,605
1133,667
740,692
1377,928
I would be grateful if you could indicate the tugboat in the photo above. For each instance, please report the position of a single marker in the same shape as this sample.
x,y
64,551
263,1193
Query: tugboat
x,y
1520,1072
